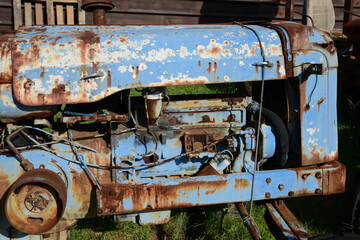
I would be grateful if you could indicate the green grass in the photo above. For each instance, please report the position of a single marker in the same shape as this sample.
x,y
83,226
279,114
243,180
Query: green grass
x,y
210,222
318,214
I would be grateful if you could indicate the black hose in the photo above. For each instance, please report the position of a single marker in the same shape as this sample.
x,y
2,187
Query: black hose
x,y
280,132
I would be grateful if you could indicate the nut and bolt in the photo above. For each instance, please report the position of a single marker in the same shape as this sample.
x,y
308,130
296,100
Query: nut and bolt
x,y
305,176
281,187
268,180
317,191
318,175
291,193
268,195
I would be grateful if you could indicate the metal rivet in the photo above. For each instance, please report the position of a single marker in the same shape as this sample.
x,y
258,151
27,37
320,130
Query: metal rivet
x,y
305,176
99,211
268,180
268,195
281,186
317,191
291,193
318,175
112,210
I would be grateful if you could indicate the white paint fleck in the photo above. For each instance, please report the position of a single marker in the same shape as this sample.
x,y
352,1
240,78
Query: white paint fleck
x,y
311,131
122,69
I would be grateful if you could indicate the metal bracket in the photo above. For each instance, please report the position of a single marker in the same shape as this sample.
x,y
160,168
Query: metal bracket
x,y
264,64
198,141
289,226
314,68
24,162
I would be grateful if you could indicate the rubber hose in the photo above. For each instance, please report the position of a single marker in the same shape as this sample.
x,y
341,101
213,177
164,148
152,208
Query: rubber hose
x,y
280,132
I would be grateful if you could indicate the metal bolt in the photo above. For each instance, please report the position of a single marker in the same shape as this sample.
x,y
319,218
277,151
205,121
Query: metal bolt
x,y
268,180
281,187
99,211
268,195
291,193
305,176
318,175
317,191
112,210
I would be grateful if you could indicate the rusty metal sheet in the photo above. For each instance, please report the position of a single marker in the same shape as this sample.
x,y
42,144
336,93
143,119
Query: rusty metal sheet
x,y
160,194
5,58
79,64
318,117
12,111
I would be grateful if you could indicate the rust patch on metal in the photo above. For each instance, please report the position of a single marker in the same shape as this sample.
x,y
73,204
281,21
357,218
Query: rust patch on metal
x,y
84,42
215,51
153,197
209,68
42,74
334,181
55,41
317,157
108,80
207,170
36,201
5,58
252,51
175,120
278,67
82,186
321,100
4,183
230,118
205,119
242,183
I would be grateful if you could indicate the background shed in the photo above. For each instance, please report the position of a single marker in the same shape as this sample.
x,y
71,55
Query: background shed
x,y
189,11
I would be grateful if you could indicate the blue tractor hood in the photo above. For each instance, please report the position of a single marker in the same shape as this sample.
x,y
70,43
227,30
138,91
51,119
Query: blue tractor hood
x,y
81,64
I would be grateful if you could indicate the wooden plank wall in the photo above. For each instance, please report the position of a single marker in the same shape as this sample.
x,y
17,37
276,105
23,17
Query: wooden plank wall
x,y
190,11
207,11
6,15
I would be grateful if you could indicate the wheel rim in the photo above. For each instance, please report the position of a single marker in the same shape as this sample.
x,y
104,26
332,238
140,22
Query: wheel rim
x,y
36,201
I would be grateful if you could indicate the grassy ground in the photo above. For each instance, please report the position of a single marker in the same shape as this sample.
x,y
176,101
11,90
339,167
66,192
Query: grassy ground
x,y
319,215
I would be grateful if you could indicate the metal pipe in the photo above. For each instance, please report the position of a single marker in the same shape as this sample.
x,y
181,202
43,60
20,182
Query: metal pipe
x,y
248,221
99,8
99,17
24,162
